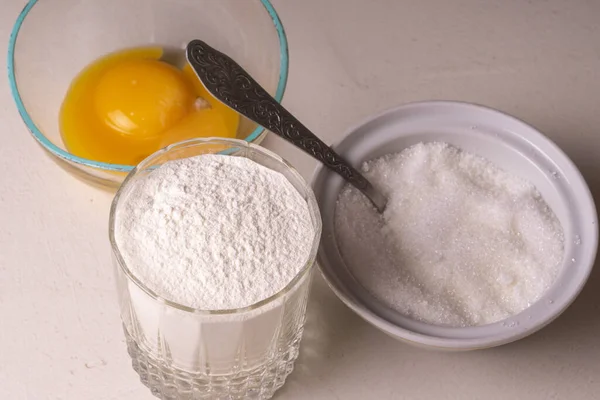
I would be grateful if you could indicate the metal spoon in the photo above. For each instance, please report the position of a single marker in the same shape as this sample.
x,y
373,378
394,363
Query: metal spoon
x,y
233,86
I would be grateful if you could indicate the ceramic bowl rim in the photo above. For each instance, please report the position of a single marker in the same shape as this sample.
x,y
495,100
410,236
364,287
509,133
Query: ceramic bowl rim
x,y
442,342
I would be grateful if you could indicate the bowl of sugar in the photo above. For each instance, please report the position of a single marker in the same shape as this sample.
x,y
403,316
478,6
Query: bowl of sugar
x,y
489,234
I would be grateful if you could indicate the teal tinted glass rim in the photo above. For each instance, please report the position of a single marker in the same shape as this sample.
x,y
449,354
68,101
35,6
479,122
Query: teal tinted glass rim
x,y
65,155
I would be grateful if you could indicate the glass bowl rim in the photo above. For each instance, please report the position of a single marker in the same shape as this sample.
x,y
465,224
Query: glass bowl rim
x,y
64,154
311,202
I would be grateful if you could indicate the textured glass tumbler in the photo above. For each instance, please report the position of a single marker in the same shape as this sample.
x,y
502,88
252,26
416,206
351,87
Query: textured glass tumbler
x,y
185,353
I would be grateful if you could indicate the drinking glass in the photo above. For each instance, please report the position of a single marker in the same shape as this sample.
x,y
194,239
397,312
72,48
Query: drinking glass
x,y
185,353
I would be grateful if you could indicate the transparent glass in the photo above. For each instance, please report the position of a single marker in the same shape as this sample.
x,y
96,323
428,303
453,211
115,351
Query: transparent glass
x,y
184,353
52,40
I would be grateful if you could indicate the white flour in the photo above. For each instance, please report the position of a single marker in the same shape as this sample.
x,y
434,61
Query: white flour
x,y
461,242
214,232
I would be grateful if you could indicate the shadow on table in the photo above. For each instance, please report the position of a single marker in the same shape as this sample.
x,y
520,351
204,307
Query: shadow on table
x,y
339,348
330,326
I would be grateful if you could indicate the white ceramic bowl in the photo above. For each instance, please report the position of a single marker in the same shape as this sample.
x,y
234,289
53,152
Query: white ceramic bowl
x,y
514,146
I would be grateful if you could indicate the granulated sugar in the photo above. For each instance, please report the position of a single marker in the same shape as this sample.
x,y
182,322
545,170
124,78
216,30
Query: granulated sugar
x,y
460,243
214,232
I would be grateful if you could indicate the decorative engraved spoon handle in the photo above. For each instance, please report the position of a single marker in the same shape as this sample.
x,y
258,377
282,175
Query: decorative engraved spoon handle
x,y
233,86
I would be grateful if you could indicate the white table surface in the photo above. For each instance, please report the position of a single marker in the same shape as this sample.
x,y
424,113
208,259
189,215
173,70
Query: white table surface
x,y
60,335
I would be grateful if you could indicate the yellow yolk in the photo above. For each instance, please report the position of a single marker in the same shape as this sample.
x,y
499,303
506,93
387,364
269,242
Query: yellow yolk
x,y
127,105
143,97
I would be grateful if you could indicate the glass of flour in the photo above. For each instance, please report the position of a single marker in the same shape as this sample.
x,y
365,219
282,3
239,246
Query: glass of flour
x,y
214,244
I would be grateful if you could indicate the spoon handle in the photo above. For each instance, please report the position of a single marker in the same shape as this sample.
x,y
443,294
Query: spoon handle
x,y
232,85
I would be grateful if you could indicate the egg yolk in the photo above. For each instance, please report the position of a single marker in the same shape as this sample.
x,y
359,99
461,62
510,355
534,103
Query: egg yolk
x,y
126,105
143,97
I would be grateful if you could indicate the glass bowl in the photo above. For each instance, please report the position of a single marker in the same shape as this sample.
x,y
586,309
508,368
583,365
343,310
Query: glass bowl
x,y
184,353
52,41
